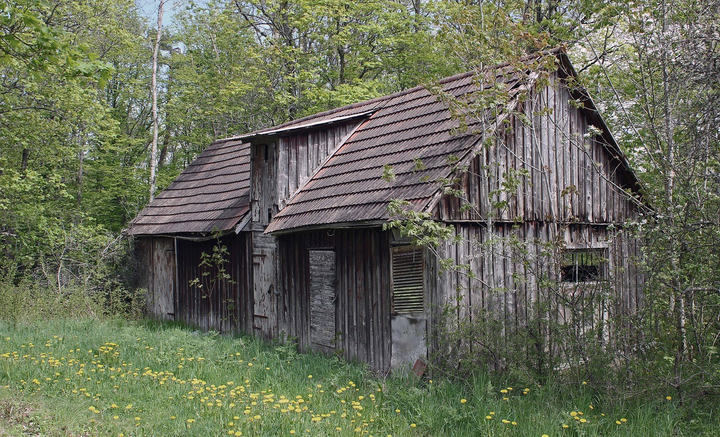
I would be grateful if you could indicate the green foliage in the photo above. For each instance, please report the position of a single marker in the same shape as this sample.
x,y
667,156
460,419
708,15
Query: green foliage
x,y
112,377
213,268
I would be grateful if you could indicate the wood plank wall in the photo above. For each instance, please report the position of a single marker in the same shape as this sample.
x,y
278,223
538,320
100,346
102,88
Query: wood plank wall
x,y
362,301
225,306
301,154
509,284
158,257
572,177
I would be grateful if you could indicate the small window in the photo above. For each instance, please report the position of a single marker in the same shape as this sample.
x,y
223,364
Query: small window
x,y
582,266
408,278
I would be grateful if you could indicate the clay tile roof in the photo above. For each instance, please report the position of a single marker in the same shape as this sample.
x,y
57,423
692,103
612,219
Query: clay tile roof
x,y
414,133
212,194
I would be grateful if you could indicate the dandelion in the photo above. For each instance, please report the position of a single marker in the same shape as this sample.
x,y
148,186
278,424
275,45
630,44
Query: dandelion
x,y
462,401
669,398
488,417
565,425
623,420
618,422
412,425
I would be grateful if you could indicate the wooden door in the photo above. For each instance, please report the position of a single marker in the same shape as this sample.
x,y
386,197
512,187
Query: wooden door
x,y
264,285
322,300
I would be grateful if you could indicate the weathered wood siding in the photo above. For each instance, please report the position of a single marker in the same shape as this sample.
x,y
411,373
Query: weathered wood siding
x,y
300,155
362,291
222,305
517,279
158,257
571,176
264,285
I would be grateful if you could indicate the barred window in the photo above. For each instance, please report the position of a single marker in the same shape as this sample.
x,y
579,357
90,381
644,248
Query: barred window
x,y
583,266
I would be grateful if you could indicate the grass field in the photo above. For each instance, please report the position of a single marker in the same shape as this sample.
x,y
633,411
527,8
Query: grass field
x,y
116,378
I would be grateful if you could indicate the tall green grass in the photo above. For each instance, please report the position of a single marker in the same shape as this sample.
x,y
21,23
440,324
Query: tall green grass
x,y
112,378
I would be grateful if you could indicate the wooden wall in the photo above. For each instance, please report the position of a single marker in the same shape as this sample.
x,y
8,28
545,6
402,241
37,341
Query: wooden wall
x,y
281,167
571,176
300,155
362,300
158,257
517,280
222,305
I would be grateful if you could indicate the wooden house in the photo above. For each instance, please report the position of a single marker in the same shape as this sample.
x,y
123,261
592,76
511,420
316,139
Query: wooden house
x,y
515,154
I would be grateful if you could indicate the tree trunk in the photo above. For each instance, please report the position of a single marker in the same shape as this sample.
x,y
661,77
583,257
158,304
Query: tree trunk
x,y
153,151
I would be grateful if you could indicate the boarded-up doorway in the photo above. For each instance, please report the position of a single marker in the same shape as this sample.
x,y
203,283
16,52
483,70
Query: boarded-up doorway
x,y
322,300
161,299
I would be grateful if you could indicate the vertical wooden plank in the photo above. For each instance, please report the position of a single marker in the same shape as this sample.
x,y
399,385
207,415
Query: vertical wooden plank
x,y
362,298
283,190
302,159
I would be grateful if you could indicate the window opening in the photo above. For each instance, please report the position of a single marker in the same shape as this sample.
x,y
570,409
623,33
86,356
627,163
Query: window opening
x,y
408,277
582,266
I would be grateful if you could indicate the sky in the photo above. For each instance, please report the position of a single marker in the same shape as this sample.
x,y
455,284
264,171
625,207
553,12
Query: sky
x,y
148,8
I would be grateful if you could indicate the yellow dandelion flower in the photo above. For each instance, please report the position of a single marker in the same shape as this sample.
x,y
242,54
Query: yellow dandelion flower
x,y
545,435
583,420
669,398
573,413
566,426
514,423
618,422
488,417
623,420
462,401
412,425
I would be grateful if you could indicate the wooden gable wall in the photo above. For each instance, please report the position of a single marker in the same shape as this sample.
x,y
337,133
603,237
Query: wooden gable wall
x,y
572,177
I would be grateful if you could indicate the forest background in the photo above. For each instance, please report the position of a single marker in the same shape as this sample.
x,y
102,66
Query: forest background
x,y
76,126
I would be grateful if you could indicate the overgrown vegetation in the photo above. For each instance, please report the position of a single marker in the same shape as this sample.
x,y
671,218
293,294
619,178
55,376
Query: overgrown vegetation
x,y
75,130
113,377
